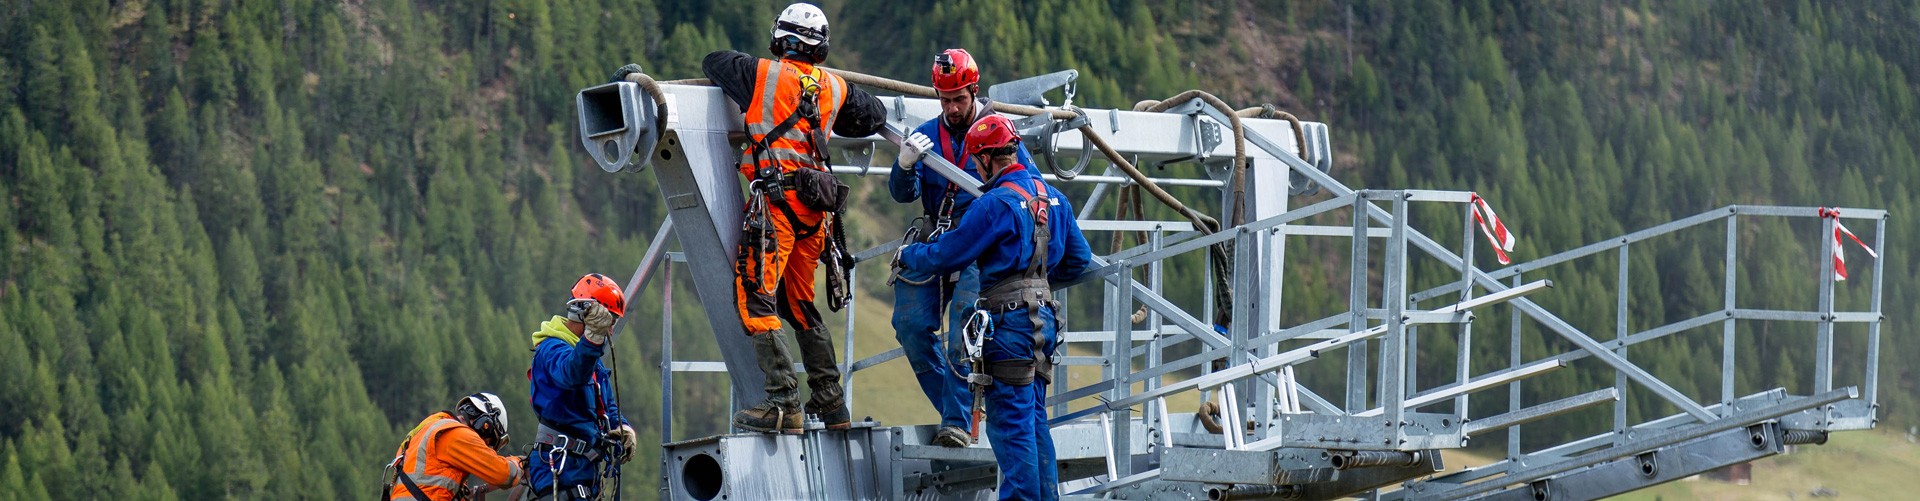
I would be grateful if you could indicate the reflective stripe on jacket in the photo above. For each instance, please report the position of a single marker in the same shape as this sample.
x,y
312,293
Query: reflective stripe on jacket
x,y
439,455
778,88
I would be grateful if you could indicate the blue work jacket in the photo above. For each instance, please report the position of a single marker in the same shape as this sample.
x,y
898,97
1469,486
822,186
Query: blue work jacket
x,y
931,187
570,387
998,233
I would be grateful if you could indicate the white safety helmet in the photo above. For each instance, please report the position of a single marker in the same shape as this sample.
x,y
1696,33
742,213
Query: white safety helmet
x,y
487,415
804,21
800,30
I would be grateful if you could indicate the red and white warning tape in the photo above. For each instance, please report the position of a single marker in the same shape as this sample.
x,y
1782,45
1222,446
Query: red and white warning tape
x,y
1490,225
1839,251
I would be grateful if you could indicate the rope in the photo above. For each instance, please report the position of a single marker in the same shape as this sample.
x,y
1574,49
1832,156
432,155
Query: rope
x,y
1201,222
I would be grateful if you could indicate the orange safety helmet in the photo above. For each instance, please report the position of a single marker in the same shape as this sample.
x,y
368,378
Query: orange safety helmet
x,y
992,132
953,70
601,288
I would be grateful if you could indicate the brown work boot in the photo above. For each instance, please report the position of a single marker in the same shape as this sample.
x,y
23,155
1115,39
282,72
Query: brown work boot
x,y
768,418
829,401
779,412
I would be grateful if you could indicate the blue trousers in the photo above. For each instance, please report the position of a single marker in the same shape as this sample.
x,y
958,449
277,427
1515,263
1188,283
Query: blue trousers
x,y
916,323
1017,415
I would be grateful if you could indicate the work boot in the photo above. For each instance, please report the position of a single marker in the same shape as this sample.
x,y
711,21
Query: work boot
x,y
952,437
778,412
828,402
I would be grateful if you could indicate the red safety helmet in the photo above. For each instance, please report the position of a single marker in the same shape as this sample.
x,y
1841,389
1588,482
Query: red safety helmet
x,y
992,132
600,288
953,70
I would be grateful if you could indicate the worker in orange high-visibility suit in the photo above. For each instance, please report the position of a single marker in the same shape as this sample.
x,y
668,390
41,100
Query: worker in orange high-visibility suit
x,y
448,447
791,105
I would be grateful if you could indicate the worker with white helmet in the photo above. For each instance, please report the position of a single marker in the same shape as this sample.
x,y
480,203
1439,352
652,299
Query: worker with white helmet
x,y
793,203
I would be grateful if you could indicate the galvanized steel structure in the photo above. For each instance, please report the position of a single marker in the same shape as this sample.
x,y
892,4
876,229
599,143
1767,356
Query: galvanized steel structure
x,y
1284,439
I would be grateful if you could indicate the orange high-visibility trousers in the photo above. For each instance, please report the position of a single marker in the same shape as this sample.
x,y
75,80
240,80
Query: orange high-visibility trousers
x,y
785,288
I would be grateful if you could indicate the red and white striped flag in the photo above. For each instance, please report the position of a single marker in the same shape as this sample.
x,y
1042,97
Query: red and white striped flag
x,y
1490,225
1839,251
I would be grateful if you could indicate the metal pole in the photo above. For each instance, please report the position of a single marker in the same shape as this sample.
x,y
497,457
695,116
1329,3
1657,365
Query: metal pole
x,y
1157,408
1620,333
846,381
1119,366
1357,302
1727,332
1394,294
1463,366
1823,345
666,352
1873,328
1513,389
1245,269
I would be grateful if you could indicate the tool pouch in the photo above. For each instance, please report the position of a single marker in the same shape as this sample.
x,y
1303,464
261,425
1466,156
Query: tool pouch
x,y
819,190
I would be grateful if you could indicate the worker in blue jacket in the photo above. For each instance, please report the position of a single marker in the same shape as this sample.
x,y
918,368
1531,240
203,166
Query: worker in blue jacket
x,y
580,423
1023,236
919,298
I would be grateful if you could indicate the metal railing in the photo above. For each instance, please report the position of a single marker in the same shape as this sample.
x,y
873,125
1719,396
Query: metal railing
x,y
1266,408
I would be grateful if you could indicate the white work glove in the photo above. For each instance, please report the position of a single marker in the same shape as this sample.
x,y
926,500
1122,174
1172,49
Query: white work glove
x,y
599,323
627,441
912,148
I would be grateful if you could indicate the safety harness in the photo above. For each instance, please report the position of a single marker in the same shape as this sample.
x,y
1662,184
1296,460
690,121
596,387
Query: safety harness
x,y
399,470
768,192
941,218
561,446
1030,290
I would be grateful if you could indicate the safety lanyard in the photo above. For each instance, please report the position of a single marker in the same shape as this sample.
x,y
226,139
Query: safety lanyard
x,y
951,150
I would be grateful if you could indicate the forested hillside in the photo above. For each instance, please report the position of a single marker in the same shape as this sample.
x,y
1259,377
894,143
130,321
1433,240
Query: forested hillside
x,y
245,245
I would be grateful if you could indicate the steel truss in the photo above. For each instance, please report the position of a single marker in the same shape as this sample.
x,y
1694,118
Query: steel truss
x,y
1283,439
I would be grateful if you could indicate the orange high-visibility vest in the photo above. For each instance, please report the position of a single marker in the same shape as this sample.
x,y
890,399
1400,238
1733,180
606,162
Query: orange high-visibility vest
x,y
437,450
777,97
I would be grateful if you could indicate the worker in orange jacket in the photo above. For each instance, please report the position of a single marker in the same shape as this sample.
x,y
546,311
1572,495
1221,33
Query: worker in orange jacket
x,y
448,447
791,105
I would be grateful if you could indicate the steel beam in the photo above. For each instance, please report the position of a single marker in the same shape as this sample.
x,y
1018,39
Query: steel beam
x,y
1654,467
1542,411
704,203
1631,447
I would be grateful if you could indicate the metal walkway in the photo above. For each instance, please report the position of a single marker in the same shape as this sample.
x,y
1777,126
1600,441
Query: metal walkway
x,y
1285,438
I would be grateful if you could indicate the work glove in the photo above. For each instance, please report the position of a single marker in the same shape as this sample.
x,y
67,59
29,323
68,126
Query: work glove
x,y
912,148
627,441
599,323
620,75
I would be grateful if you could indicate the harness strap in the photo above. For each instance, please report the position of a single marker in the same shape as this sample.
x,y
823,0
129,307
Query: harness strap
x,y
546,438
412,489
1038,205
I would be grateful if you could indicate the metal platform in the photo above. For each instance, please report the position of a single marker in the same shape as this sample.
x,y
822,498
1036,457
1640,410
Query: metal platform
x,y
1285,439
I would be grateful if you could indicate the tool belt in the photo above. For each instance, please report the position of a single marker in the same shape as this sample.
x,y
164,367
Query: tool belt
x,y
1015,293
547,438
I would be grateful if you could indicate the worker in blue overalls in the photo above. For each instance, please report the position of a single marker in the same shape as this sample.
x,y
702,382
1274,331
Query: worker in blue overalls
x,y
1023,236
919,298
